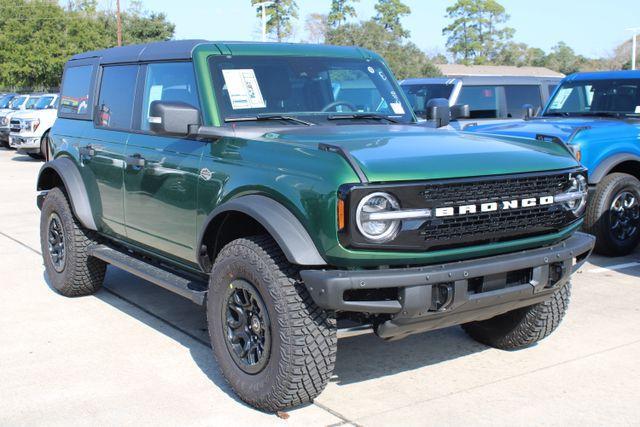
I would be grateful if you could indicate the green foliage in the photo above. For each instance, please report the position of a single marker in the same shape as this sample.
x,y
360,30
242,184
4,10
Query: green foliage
x,y
404,58
477,33
389,14
279,17
37,37
341,10
562,58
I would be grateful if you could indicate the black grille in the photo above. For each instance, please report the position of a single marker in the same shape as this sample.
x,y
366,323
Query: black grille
x,y
15,125
470,229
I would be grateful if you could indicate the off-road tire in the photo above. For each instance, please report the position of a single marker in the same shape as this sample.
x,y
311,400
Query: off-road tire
x,y
597,214
82,274
524,326
304,340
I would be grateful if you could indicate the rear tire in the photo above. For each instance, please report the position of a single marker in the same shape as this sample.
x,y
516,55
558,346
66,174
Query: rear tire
x,y
296,340
64,244
524,326
608,219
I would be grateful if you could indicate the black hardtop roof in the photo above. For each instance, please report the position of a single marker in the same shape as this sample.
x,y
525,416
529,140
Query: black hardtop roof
x,y
183,50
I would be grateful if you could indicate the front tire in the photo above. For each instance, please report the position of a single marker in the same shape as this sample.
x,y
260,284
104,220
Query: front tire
x,y
613,215
524,326
273,345
64,244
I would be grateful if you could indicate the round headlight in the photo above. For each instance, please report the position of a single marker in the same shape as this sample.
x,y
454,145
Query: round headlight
x,y
370,225
577,185
4,121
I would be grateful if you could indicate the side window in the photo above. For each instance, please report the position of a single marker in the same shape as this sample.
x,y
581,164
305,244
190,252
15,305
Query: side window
x,y
551,89
76,91
117,95
168,82
518,95
482,100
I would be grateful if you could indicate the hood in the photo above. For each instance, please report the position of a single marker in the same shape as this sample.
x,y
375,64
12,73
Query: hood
x,y
410,152
33,114
594,129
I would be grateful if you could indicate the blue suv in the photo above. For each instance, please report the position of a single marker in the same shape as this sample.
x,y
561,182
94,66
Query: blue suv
x,y
598,116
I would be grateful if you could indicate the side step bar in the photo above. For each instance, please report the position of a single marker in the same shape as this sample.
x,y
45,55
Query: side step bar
x,y
171,281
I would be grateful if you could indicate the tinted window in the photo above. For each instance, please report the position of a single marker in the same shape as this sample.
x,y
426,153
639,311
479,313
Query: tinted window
x,y
482,101
76,90
597,97
43,103
31,103
519,95
419,95
117,93
168,82
4,102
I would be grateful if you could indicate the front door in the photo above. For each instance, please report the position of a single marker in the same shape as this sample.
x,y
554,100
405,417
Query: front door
x,y
161,174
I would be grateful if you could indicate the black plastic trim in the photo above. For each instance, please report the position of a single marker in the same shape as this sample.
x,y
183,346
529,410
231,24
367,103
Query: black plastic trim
x,y
344,153
281,224
608,164
67,170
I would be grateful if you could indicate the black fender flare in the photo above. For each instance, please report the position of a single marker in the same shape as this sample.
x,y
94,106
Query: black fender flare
x,y
68,172
281,224
609,163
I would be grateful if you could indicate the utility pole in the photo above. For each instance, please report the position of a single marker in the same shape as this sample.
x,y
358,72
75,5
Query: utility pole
x,y
119,22
633,46
263,6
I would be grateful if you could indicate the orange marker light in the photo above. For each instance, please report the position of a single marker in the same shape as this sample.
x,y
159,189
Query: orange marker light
x,y
340,214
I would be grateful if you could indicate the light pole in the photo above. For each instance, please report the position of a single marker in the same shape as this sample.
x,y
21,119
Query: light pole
x,y
263,6
633,46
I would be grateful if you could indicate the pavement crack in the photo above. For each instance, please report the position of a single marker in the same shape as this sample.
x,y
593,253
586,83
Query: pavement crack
x,y
24,245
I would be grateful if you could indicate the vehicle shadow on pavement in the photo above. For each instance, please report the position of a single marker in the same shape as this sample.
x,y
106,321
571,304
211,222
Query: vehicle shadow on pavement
x,y
359,358
629,264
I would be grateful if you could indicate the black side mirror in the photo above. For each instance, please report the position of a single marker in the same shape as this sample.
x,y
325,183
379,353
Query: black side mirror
x,y
438,110
173,118
528,111
460,111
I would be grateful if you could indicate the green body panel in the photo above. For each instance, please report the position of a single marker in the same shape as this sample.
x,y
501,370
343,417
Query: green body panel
x,y
162,207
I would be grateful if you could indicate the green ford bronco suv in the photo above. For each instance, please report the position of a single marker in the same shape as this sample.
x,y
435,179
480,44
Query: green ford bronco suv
x,y
286,187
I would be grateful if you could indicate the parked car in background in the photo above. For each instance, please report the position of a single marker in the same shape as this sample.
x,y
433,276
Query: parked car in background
x,y
289,186
29,129
18,103
490,98
598,116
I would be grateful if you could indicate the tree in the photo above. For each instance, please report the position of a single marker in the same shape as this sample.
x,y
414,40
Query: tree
x,y
404,58
279,17
341,10
563,59
477,33
316,27
389,14
520,55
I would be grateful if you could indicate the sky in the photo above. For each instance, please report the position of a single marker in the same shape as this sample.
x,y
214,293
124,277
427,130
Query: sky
x,y
591,27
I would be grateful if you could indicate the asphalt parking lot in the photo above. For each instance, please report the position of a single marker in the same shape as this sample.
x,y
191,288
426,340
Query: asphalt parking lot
x,y
135,354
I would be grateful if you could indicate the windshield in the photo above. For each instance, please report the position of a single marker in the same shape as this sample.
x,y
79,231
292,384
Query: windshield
x,y
420,94
17,102
5,100
596,98
319,89
43,103
31,102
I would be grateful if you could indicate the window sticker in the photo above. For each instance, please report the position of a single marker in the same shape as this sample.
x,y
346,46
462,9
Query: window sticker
x,y
637,109
397,107
243,88
561,98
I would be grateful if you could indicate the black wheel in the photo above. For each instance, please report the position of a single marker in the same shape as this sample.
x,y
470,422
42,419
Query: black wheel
x,y
64,245
524,326
613,215
273,345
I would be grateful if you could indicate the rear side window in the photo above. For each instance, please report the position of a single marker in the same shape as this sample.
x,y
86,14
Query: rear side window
x,y
117,94
168,82
482,100
519,95
75,100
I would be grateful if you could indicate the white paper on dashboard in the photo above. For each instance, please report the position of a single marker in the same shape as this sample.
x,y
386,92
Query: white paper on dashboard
x,y
243,88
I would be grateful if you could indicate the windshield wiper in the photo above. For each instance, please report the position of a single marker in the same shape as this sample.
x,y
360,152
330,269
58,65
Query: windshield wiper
x,y
557,114
265,117
601,114
357,116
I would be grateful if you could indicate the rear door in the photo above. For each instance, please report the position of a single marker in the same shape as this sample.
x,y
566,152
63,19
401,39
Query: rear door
x,y
162,175
103,149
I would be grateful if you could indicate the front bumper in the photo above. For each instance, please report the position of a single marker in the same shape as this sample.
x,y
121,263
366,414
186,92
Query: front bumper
x,y
24,142
438,296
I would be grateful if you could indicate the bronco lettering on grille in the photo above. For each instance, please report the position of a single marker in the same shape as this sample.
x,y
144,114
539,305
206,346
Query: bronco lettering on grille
x,y
494,206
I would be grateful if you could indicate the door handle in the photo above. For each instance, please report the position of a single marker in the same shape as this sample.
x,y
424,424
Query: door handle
x,y
136,161
86,152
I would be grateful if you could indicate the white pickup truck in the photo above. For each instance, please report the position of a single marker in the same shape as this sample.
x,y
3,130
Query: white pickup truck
x,y
18,103
30,128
